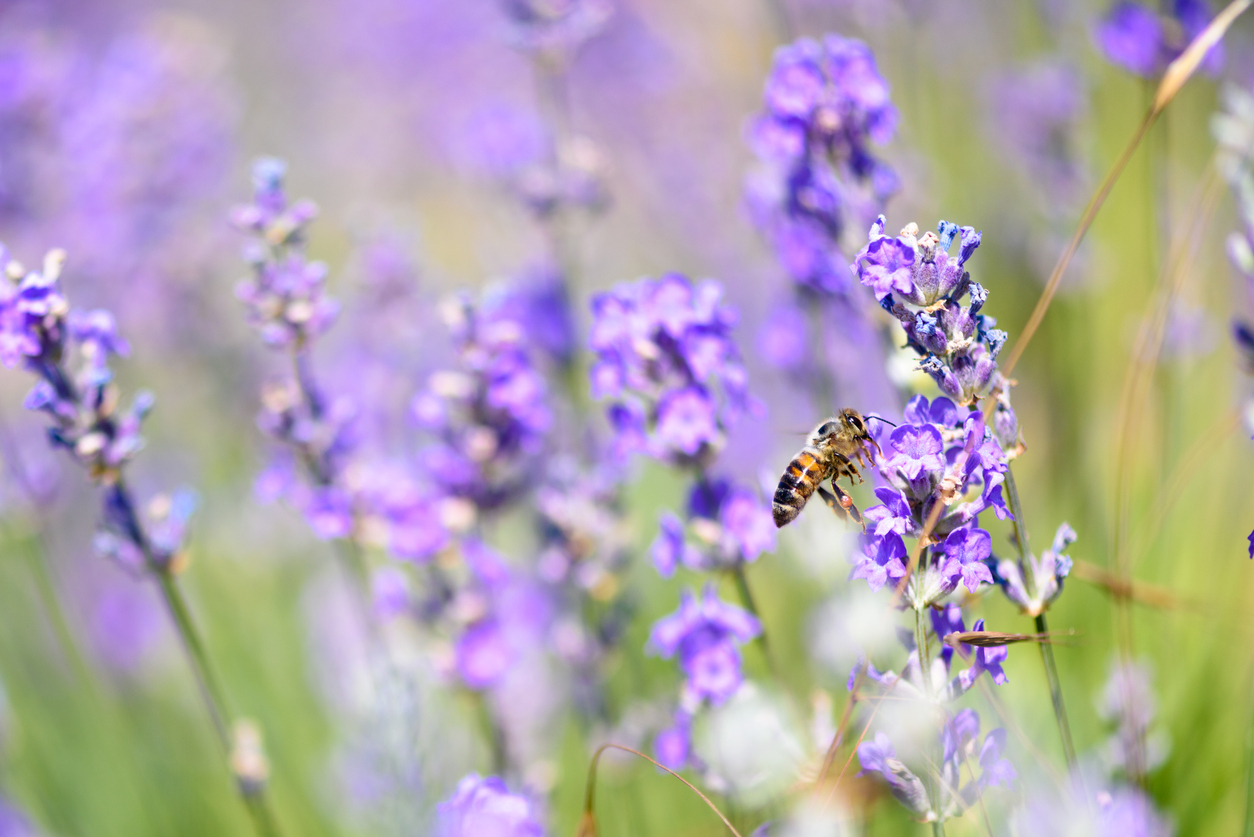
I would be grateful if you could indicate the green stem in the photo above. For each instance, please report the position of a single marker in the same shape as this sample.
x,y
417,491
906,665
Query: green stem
x,y
211,691
746,596
1042,625
925,673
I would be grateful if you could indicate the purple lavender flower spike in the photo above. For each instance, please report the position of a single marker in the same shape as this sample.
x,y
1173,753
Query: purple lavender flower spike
x,y
706,634
1048,574
484,806
825,105
1141,42
1251,540
666,360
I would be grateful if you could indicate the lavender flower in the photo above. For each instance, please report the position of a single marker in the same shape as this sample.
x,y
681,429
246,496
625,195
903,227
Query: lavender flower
x,y
1112,813
962,749
490,415
825,104
730,524
484,806
664,354
706,634
345,496
1144,43
1036,587
938,455
68,351
918,282
937,685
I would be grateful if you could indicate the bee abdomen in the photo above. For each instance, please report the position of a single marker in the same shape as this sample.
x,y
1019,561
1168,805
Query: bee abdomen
x,y
800,479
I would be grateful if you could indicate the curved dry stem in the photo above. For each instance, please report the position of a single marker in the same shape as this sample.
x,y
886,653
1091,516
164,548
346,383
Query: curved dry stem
x,y
1178,72
830,758
589,803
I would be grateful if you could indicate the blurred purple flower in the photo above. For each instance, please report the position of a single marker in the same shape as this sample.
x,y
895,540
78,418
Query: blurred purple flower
x,y
663,353
672,745
1131,36
880,757
825,103
1144,43
1034,112
484,654
484,807
706,634
1047,574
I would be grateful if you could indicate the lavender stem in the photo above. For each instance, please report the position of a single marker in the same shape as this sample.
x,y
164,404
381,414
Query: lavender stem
x,y
746,596
1042,625
211,691
925,671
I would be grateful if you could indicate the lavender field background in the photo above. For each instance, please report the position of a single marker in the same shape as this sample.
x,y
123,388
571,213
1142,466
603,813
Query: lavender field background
x,y
454,351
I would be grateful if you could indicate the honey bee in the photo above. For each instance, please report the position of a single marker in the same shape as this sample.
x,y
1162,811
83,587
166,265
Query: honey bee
x,y
829,454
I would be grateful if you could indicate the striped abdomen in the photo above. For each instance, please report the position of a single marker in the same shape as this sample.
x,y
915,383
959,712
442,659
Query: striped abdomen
x,y
800,478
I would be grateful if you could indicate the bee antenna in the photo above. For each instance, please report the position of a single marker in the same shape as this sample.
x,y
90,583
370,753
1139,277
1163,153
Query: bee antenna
x,y
880,418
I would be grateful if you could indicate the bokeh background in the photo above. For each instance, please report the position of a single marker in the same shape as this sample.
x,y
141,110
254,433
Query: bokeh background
x,y
127,131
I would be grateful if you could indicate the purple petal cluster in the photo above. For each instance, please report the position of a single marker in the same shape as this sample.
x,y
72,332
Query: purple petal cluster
x,y
963,751
1144,42
825,104
914,683
919,282
706,634
68,352
939,454
728,523
285,296
482,806
666,362
1036,587
490,414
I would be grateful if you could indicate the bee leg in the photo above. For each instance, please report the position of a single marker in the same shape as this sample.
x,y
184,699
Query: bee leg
x,y
832,503
850,470
842,504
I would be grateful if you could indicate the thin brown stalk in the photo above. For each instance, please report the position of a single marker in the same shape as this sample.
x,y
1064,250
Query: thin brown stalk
x,y
853,752
587,827
1178,72
830,757
1150,595
994,639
